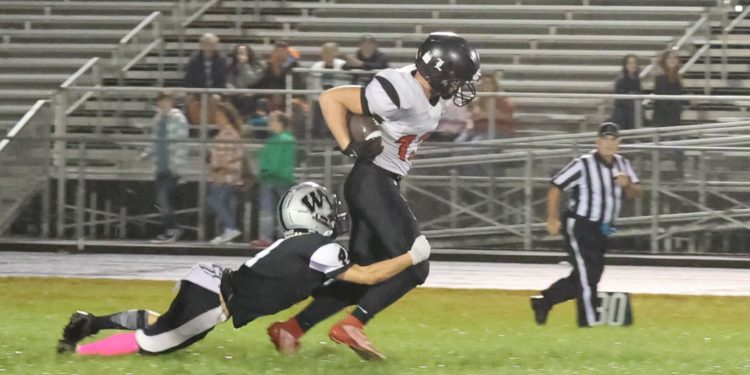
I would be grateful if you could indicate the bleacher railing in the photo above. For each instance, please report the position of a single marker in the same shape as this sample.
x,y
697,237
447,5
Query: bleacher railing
x,y
491,192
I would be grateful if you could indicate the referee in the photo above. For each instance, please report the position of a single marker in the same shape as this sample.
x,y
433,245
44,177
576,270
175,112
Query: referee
x,y
596,183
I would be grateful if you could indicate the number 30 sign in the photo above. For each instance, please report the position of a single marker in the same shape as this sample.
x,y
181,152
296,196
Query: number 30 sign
x,y
615,309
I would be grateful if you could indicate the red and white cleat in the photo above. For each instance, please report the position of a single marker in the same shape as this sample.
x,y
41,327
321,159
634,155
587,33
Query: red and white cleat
x,y
350,332
285,336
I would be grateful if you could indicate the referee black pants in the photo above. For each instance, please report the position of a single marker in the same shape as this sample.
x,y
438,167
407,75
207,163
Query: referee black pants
x,y
383,227
585,245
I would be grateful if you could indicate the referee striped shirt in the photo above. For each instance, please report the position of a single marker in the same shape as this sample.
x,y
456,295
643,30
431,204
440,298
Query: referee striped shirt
x,y
590,182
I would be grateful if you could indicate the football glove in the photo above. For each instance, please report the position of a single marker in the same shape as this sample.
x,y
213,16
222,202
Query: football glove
x,y
366,150
420,250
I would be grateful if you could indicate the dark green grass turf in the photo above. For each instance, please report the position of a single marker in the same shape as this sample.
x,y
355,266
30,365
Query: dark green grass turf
x,y
429,331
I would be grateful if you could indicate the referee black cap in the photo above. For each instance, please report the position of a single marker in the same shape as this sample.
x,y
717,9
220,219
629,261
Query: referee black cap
x,y
609,128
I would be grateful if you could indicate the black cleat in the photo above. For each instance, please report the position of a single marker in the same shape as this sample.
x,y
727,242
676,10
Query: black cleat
x,y
541,309
78,328
64,347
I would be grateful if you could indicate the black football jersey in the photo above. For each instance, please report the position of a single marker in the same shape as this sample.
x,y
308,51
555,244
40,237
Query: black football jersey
x,y
284,274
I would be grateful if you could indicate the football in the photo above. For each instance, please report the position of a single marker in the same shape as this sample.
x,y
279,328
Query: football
x,y
362,127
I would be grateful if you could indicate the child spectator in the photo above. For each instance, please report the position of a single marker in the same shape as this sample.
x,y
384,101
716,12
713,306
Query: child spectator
x,y
276,165
226,172
171,160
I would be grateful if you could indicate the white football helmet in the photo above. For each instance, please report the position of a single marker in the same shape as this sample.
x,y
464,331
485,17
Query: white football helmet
x,y
308,207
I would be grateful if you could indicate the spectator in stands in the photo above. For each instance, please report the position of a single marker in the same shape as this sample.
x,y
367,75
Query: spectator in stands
x,y
276,165
668,112
245,71
171,160
477,127
280,63
325,81
206,68
226,172
629,83
453,122
368,57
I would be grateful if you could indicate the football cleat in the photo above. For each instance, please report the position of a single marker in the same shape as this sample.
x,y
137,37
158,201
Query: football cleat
x,y
64,347
541,309
78,328
285,336
353,335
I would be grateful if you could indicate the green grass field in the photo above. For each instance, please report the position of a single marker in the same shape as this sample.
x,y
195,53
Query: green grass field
x,y
431,331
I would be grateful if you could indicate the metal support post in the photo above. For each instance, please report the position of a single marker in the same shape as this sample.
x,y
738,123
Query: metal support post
x,y
288,101
80,194
655,181
309,125
528,200
158,30
247,215
60,148
238,17
707,61
108,219
638,113
454,197
204,174
491,194
724,47
491,117
92,215
123,224
46,201
327,168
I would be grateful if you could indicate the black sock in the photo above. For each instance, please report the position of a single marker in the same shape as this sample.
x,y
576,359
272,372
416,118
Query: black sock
x,y
317,311
128,320
328,301
362,315
383,295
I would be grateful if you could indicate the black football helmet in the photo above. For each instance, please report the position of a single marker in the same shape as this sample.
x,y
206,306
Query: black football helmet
x,y
450,65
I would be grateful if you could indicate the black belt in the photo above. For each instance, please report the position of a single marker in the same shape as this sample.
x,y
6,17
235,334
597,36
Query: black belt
x,y
581,219
395,176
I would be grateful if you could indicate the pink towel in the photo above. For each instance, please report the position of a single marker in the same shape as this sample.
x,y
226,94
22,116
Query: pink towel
x,y
119,344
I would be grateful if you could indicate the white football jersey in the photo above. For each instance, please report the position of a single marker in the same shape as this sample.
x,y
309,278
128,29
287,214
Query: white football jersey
x,y
398,103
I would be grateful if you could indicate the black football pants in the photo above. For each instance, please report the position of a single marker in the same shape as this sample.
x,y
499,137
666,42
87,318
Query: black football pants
x,y
585,245
383,227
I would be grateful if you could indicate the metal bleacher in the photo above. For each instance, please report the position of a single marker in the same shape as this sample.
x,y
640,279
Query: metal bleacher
x,y
570,46
545,46
541,45
44,42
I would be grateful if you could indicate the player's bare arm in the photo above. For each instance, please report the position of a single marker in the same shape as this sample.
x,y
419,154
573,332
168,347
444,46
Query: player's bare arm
x,y
335,103
384,270
553,215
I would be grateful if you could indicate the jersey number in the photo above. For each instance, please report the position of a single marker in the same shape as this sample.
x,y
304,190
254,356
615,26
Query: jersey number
x,y
405,142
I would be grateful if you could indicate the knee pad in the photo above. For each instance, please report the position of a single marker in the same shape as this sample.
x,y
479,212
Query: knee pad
x,y
420,271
